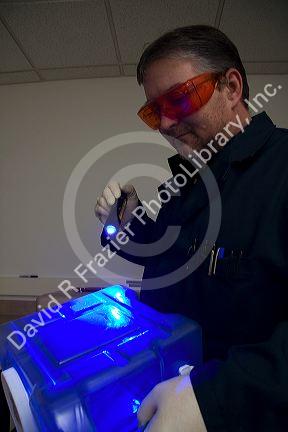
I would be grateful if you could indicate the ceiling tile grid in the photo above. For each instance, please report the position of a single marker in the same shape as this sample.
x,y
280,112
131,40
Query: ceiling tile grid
x,y
74,73
258,28
273,68
44,40
11,56
18,77
138,22
62,33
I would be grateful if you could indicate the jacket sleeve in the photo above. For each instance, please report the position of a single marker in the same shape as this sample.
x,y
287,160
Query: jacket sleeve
x,y
249,391
144,231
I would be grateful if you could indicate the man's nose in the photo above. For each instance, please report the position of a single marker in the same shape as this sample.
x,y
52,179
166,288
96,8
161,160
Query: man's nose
x,y
166,123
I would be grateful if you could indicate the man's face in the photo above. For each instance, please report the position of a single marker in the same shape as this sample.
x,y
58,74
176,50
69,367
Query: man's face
x,y
195,131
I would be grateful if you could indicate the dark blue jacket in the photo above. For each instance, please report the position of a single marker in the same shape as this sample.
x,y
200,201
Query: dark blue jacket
x,y
242,306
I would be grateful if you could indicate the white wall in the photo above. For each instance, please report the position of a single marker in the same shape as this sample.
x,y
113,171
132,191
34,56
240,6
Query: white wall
x,y
45,130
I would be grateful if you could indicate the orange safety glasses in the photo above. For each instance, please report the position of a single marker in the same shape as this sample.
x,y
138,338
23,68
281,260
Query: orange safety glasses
x,y
181,101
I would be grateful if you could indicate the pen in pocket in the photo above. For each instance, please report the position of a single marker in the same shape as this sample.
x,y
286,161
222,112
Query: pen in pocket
x,y
212,253
216,254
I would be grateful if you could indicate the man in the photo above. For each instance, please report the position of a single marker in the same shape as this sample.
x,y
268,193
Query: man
x,y
196,86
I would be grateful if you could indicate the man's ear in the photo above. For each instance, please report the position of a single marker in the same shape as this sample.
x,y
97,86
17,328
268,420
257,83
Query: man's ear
x,y
234,85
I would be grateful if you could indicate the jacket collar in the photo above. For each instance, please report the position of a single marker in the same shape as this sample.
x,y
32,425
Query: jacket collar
x,y
245,145
239,148
242,146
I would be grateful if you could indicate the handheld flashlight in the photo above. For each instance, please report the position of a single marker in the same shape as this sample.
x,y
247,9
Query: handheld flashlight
x,y
116,214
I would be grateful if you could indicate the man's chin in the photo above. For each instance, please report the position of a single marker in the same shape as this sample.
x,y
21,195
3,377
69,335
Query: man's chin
x,y
186,148
184,154
185,145
181,156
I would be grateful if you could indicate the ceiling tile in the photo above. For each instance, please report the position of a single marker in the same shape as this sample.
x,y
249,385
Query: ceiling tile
x,y
258,28
266,68
138,22
37,1
55,34
130,70
18,77
11,58
88,72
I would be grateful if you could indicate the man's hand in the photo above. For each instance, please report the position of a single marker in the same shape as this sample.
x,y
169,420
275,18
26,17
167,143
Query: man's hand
x,y
172,407
110,194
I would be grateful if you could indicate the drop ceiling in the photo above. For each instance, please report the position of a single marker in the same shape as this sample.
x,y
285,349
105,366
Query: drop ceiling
x,y
44,40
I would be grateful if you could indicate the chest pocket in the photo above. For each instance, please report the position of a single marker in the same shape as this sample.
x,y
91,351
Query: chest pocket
x,y
234,268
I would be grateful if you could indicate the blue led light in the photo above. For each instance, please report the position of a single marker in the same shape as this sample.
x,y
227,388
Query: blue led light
x,y
110,229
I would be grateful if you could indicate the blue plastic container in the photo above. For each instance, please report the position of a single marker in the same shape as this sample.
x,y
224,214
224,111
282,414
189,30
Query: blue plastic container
x,y
91,364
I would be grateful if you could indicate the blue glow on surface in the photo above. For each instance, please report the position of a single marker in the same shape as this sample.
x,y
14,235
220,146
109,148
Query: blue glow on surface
x,y
85,303
128,339
107,316
104,353
116,313
135,405
116,318
119,296
107,354
110,229
119,293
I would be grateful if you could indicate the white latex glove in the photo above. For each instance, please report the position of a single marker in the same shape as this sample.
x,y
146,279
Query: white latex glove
x,y
110,194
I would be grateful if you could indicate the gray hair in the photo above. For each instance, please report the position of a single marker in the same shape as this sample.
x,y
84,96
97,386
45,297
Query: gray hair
x,y
208,47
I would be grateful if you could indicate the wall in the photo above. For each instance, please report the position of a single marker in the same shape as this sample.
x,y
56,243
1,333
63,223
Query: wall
x,y
46,129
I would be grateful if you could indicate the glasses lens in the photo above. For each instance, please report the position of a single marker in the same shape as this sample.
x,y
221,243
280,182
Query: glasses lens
x,y
150,115
205,90
181,102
